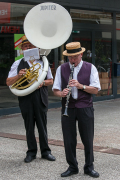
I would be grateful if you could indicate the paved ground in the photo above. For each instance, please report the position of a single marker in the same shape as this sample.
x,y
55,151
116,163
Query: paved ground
x,y
106,147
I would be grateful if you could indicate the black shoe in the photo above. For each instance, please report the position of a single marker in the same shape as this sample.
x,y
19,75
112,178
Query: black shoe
x,y
29,158
92,173
68,173
49,157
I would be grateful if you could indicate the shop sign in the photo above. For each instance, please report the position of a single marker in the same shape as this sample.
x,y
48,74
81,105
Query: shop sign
x,y
5,12
10,29
17,42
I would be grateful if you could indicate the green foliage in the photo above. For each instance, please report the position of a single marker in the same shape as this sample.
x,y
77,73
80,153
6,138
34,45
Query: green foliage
x,y
99,52
5,65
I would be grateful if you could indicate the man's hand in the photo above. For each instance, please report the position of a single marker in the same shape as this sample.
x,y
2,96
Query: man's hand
x,y
12,80
88,89
21,72
75,83
40,85
64,92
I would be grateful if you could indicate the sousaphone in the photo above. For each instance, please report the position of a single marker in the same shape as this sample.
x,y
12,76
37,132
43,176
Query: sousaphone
x,y
46,26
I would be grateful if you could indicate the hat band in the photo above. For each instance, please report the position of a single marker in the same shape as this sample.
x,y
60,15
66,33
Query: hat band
x,y
24,41
74,50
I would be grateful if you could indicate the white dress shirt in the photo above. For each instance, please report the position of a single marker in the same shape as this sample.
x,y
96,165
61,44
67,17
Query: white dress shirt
x,y
94,79
13,70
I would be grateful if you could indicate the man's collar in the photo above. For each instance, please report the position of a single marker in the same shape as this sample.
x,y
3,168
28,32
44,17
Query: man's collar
x,y
80,63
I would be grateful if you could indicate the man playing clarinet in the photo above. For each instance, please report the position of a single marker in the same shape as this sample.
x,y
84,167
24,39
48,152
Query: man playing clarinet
x,y
85,82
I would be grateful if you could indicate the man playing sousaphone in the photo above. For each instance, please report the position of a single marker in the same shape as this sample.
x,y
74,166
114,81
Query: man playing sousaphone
x,y
33,106
85,82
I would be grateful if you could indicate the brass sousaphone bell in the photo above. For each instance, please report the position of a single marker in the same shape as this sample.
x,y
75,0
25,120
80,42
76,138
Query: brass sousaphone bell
x,y
46,26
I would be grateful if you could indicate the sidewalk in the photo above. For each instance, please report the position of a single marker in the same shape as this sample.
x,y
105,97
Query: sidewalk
x,y
106,147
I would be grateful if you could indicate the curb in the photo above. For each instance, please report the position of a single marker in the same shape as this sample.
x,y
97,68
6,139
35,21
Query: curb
x,y
14,110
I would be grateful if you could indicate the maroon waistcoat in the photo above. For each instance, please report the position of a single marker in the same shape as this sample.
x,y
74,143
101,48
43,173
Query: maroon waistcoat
x,y
84,99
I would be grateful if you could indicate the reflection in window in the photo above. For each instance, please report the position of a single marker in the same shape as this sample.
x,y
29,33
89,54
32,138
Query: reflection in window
x,y
84,37
94,17
118,36
103,61
17,12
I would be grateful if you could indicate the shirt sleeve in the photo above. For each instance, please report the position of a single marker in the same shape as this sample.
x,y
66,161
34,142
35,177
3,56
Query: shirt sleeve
x,y
94,78
13,70
49,74
57,81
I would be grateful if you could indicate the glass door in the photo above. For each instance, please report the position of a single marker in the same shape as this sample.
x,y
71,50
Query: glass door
x,y
103,61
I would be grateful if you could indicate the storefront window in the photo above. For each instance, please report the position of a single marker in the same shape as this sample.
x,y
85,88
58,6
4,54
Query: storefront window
x,y
11,22
103,61
85,38
18,13
93,17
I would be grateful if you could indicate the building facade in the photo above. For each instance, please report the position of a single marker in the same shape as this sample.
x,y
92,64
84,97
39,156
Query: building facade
x,y
96,24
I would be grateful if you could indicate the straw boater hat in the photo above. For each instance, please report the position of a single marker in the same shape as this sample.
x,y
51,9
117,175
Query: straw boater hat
x,y
73,48
24,40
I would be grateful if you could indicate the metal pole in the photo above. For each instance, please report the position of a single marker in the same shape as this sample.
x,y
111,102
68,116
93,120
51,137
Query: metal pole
x,y
56,57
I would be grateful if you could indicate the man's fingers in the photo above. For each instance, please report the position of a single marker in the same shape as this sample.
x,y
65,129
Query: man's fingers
x,y
65,92
40,85
22,72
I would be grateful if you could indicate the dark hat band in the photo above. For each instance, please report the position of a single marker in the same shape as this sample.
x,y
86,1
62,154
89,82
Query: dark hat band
x,y
25,41
74,50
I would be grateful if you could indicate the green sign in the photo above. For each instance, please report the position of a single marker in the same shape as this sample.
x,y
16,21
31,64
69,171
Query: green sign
x,y
75,31
17,42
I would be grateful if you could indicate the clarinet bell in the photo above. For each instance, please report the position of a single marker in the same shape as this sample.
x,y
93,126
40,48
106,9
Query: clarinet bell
x,y
65,113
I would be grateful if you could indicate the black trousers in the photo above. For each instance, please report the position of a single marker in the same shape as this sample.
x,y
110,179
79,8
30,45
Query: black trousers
x,y
34,111
85,117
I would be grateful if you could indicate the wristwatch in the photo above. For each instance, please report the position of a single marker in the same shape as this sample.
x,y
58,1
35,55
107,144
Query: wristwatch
x,y
84,87
43,83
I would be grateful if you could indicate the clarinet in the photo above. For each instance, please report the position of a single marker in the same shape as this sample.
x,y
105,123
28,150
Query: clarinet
x,y
70,89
